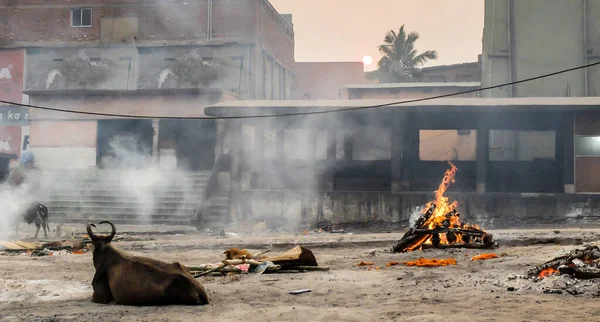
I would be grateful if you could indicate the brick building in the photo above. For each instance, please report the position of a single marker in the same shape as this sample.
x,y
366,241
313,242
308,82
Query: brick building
x,y
148,58
139,53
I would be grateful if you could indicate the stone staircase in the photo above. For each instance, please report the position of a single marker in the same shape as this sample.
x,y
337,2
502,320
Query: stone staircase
x,y
123,197
215,213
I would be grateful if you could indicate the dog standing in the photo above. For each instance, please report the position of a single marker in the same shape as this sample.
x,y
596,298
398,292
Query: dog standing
x,y
38,214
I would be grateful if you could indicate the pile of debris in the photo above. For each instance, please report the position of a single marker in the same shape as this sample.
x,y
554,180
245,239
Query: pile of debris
x,y
440,226
576,273
579,263
55,248
240,261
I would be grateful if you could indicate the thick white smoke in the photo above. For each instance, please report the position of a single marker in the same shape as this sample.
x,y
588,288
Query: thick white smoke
x,y
14,201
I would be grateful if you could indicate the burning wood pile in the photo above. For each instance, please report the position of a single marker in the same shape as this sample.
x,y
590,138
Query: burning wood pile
x,y
579,263
439,226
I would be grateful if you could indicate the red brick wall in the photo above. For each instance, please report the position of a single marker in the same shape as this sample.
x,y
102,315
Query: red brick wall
x,y
42,23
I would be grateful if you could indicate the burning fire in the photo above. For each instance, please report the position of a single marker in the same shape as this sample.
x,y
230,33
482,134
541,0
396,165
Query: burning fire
x,y
445,214
547,272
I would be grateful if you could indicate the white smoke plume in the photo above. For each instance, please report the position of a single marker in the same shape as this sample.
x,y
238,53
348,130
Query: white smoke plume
x,y
14,201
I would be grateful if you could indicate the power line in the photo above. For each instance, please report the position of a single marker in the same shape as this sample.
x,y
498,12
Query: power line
x,y
305,113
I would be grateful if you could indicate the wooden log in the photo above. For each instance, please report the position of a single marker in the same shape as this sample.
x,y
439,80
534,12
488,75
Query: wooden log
x,y
459,245
405,243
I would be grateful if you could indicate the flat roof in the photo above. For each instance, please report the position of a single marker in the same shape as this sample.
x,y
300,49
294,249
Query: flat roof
x,y
524,104
109,92
414,85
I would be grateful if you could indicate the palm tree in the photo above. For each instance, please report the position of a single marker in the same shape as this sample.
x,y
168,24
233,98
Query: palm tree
x,y
400,61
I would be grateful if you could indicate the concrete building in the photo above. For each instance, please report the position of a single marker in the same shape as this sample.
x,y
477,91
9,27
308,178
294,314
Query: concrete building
x,y
438,145
522,39
321,175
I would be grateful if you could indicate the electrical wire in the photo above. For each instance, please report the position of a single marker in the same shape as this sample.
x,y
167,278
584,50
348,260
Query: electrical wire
x,y
304,113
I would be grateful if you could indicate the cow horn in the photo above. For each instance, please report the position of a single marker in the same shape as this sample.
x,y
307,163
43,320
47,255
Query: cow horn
x,y
88,227
113,232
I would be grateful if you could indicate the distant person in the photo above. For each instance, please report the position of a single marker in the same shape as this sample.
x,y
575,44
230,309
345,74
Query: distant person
x,y
19,173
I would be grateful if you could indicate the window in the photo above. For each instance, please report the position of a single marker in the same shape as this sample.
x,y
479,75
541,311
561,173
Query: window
x,y
588,146
81,17
448,145
508,145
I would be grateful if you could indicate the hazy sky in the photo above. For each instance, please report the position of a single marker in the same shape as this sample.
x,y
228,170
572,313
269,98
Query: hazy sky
x,y
347,30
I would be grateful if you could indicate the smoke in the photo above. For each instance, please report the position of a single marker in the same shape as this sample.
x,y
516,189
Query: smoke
x,y
290,177
14,201
130,187
415,214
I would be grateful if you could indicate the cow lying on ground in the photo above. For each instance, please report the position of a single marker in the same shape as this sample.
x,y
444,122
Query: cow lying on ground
x,y
134,280
35,213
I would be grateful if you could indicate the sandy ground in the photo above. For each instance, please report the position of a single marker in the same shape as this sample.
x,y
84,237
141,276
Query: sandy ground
x,y
57,288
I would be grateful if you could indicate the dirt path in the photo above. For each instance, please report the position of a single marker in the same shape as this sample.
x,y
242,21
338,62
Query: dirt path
x,y
58,288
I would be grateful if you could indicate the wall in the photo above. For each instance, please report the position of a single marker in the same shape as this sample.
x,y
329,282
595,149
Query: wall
x,y
134,103
82,68
490,211
540,45
406,92
14,120
194,67
465,72
253,23
29,22
63,144
326,80
587,152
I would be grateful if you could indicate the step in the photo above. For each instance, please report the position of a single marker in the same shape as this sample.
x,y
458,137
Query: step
x,y
116,204
119,182
117,221
116,212
122,209
109,199
54,217
117,194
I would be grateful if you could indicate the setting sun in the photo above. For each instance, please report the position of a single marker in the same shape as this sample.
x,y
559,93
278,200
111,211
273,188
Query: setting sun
x,y
367,60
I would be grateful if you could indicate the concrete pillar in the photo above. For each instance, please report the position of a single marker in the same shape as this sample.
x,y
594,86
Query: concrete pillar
x,y
568,162
155,151
311,156
397,129
348,145
259,147
279,158
410,151
483,155
331,158
235,174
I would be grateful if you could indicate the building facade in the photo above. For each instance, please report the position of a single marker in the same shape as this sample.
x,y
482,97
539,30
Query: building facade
x,y
521,40
326,80
435,145
151,57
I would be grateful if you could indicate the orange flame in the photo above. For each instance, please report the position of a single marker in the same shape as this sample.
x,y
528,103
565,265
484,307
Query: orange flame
x,y
424,262
547,272
442,208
